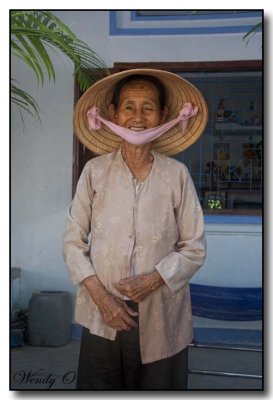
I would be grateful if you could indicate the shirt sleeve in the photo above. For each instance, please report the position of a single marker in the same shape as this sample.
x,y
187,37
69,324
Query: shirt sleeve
x,y
179,266
76,247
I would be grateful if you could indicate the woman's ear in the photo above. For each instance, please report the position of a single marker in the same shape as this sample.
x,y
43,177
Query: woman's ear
x,y
164,114
111,110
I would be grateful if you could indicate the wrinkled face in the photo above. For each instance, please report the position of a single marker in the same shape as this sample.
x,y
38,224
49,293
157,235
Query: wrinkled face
x,y
139,107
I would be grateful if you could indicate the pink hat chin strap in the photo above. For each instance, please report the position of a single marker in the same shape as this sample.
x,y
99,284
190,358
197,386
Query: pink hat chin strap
x,y
147,135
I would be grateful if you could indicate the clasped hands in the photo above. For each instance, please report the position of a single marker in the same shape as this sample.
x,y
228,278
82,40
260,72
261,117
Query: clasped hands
x,y
115,312
138,287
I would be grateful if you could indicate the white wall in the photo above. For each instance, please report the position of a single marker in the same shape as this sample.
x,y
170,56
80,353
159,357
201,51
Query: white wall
x,y
41,171
41,157
93,28
233,256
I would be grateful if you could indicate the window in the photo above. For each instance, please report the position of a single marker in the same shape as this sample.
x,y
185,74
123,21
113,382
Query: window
x,y
226,162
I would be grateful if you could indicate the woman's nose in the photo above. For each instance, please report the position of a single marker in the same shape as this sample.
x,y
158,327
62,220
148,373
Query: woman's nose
x,y
138,115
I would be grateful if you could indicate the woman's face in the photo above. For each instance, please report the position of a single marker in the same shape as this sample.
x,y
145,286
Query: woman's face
x,y
139,107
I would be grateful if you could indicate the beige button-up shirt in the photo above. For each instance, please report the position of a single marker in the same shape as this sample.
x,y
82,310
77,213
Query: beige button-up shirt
x,y
162,222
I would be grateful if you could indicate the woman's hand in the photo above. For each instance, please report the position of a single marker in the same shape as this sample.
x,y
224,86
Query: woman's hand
x,y
138,287
115,312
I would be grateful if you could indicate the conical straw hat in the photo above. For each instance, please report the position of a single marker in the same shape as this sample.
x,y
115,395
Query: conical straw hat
x,y
178,92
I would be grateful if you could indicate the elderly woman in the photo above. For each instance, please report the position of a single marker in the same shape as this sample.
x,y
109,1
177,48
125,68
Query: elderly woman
x,y
135,233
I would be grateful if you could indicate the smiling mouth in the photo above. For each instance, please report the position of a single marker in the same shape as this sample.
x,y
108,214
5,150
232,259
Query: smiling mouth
x,y
136,129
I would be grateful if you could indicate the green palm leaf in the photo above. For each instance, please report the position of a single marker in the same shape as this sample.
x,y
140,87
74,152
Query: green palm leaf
x,y
32,34
24,101
256,28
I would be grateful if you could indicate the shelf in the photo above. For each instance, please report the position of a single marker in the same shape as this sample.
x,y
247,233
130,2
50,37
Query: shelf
x,y
234,128
235,185
232,211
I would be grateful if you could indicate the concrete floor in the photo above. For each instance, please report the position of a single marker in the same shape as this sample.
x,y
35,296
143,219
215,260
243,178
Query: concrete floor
x,y
53,368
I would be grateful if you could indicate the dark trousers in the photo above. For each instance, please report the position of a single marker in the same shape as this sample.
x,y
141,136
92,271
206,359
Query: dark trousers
x,y
116,365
